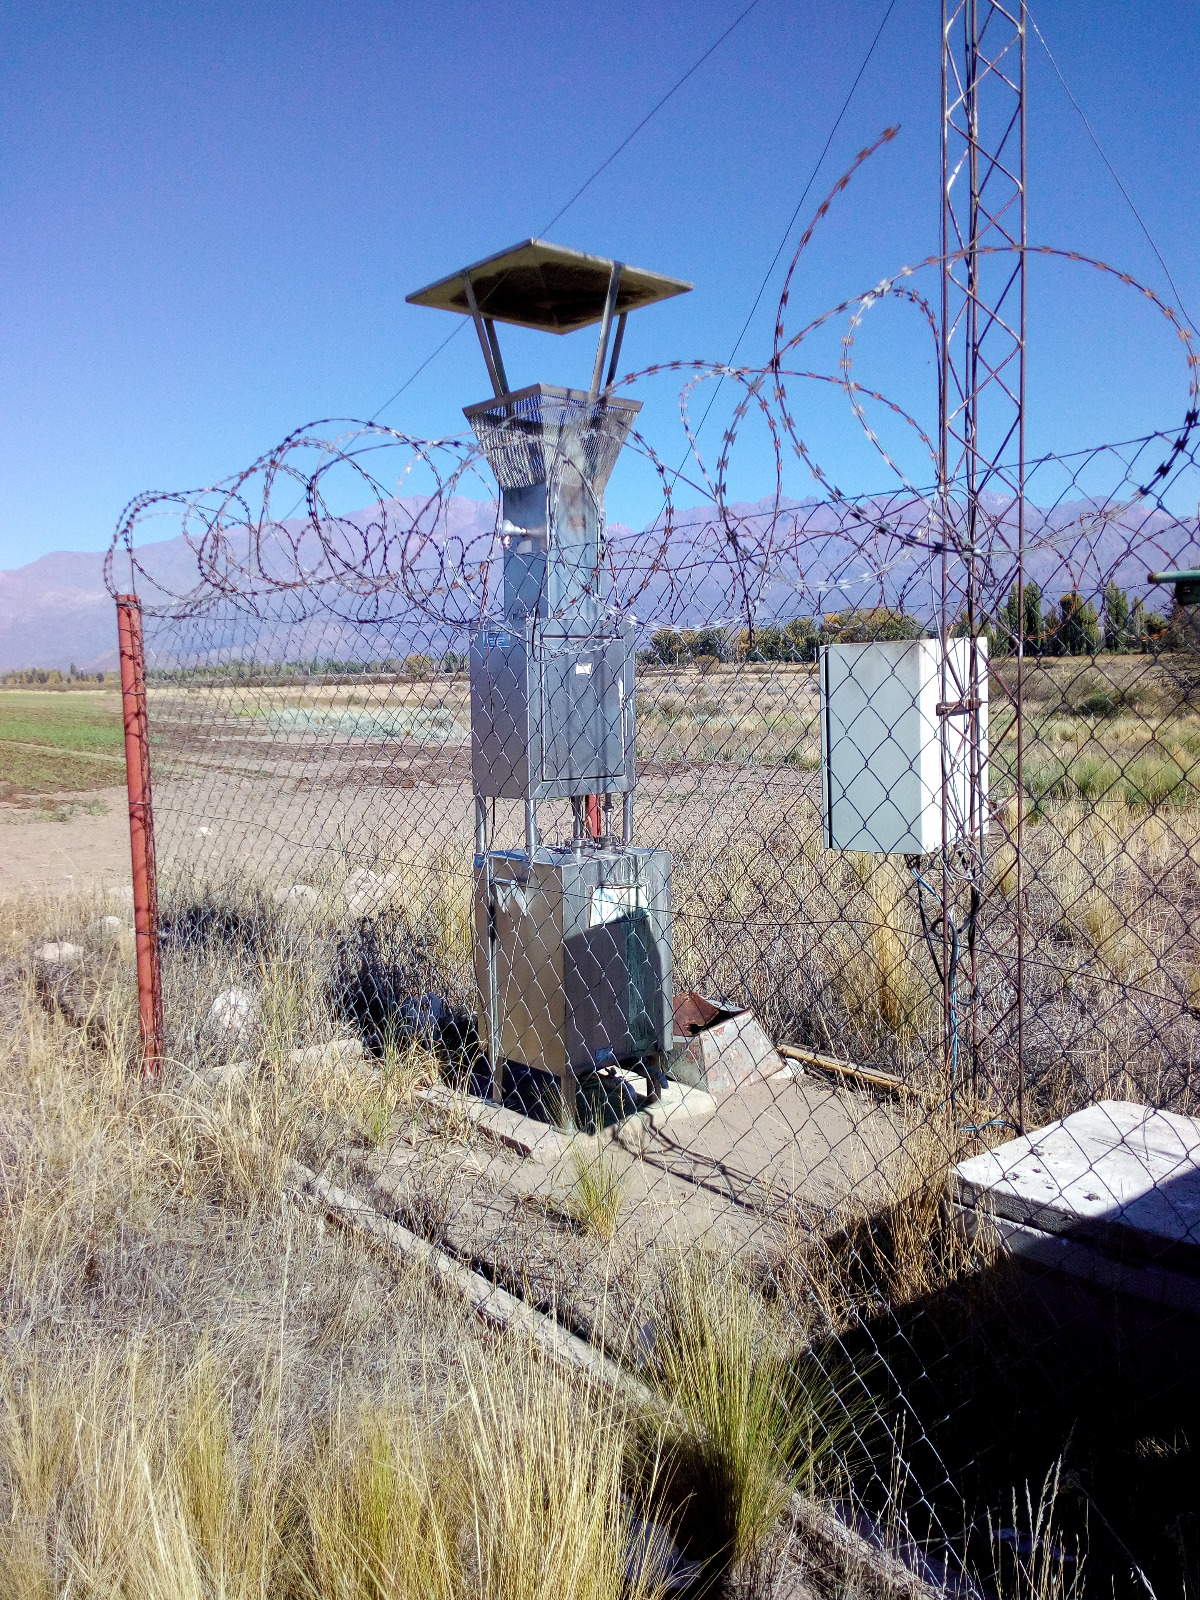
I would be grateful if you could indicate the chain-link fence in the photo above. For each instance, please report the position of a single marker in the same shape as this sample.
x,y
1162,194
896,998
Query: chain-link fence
x,y
808,887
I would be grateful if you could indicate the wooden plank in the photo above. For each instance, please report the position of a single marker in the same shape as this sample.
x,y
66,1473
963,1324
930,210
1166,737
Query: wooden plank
x,y
847,1069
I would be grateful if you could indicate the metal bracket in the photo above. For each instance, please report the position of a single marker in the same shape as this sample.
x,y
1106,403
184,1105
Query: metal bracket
x,y
610,306
488,342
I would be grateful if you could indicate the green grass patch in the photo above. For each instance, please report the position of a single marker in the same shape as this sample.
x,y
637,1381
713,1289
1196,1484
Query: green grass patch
x,y
1151,778
86,722
59,743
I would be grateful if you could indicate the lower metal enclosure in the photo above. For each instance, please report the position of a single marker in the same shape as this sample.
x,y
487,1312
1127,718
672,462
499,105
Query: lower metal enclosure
x,y
573,957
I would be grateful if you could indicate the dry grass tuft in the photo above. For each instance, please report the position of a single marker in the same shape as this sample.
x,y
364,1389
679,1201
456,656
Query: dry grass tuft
x,y
1034,1560
543,1464
597,1190
751,1416
376,1521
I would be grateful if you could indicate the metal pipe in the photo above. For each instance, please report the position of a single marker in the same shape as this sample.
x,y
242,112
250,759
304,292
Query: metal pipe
x,y
531,833
578,806
1020,839
616,355
494,341
480,826
131,648
610,305
495,1064
497,384
627,817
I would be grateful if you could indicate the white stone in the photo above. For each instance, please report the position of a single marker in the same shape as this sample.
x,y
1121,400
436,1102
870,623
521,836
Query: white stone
x,y
227,1076
297,897
106,930
59,953
232,1018
334,1053
366,892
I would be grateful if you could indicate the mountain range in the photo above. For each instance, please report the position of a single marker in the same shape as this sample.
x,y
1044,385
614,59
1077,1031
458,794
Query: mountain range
x,y
57,611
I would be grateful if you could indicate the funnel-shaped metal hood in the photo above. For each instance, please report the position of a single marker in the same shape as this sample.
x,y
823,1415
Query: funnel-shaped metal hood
x,y
524,434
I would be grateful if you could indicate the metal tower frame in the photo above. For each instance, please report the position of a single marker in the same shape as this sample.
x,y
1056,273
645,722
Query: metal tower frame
x,y
982,453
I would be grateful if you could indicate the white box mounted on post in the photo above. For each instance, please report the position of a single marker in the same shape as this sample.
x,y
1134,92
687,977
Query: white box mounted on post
x,y
893,716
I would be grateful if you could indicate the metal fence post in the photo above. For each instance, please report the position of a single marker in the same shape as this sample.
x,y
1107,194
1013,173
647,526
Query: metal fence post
x,y
141,829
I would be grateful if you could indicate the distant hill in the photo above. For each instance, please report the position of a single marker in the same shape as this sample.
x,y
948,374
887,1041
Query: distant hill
x,y
56,610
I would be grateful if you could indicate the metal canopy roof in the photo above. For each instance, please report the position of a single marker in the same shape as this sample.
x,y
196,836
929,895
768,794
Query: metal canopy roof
x,y
544,286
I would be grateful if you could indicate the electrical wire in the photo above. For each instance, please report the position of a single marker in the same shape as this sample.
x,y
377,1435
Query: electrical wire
x,y
653,112
812,178
948,977
588,181
1111,170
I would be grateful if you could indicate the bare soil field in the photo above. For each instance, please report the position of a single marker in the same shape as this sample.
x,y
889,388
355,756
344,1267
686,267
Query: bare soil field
x,y
70,840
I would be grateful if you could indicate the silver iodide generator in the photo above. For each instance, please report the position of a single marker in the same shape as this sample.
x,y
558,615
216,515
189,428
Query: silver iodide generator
x,y
572,938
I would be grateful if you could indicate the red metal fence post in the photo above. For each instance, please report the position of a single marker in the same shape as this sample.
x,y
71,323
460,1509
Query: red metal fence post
x,y
141,829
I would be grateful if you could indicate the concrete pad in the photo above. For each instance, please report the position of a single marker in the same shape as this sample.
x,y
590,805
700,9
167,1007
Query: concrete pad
x,y
525,1135
678,1103
1156,1286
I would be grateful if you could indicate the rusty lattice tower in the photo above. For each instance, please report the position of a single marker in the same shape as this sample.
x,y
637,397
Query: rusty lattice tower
x,y
982,470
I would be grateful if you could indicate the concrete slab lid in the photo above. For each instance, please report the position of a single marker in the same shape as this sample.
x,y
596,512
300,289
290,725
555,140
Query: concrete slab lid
x,y
1119,1175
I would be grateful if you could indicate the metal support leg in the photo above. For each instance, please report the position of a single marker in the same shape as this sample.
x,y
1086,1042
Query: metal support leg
x,y
495,1059
569,1086
627,818
480,826
531,833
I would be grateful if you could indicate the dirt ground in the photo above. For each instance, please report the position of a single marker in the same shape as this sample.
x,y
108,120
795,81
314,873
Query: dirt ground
x,y
70,842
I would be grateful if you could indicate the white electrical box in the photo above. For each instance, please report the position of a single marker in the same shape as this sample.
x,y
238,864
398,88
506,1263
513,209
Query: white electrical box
x,y
898,726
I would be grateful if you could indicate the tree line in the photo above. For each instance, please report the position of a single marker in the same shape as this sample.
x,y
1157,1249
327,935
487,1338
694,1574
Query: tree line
x,y
1073,627
316,669
35,677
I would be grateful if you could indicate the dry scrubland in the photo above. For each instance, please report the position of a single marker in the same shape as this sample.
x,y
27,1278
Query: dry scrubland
x,y
206,1389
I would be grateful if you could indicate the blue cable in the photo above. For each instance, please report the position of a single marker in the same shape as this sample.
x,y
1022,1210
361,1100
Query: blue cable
x,y
948,923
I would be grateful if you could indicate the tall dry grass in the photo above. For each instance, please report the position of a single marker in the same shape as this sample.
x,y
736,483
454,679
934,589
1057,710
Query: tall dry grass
x,y
135,1476
204,1392
752,1416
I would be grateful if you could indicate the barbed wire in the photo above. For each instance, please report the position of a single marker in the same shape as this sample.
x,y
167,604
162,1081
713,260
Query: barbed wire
x,y
404,551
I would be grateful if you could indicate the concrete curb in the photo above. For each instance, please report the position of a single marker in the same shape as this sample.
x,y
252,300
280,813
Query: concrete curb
x,y
846,1552
495,1305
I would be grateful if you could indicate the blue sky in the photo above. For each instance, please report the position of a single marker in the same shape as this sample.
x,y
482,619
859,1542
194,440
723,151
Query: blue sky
x,y
210,215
